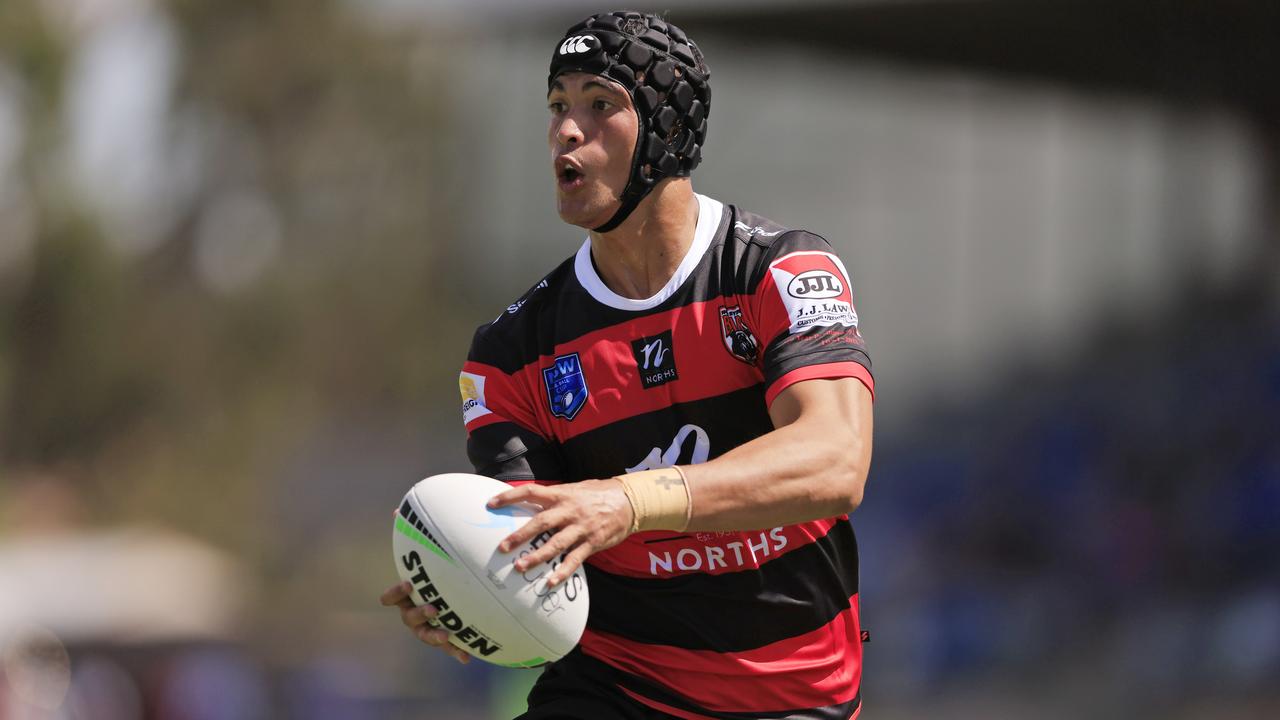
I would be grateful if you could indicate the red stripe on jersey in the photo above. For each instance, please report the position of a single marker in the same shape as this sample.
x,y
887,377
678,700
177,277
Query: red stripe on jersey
x,y
483,420
505,396
816,669
819,372
518,483
614,388
661,554
770,317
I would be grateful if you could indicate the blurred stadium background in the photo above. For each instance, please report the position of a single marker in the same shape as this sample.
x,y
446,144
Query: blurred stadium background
x,y
243,244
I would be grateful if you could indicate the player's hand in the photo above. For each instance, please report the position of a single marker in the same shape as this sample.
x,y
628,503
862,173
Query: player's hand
x,y
415,618
419,618
586,517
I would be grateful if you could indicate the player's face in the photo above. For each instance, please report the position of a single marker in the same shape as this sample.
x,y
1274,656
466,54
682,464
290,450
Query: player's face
x,y
592,137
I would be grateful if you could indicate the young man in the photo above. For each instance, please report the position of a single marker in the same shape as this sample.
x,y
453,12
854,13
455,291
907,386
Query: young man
x,y
688,401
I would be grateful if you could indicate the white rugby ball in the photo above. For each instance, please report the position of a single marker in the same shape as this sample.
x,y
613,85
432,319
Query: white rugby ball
x,y
446,545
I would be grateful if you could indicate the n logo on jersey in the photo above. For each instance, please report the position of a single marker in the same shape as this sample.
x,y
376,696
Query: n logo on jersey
x,y
656,359
738,339
566,386
814,289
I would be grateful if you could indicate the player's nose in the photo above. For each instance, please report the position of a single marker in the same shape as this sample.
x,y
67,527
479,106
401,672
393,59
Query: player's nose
x,y
569,132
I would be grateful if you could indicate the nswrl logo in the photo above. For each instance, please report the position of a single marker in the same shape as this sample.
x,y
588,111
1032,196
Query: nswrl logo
x,y
656,359
566,386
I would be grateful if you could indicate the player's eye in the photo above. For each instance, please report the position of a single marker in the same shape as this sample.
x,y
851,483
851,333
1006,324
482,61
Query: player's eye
x,y
602,104
555,107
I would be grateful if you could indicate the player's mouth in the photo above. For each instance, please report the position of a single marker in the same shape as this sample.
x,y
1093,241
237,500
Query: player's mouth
x,y
569,175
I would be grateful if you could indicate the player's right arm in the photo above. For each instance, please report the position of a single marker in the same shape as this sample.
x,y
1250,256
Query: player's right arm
x,y
507,439
504,442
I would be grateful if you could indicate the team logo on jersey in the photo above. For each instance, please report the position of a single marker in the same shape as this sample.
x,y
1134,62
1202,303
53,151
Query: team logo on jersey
x,y
656,359
814,289
566,386
737,336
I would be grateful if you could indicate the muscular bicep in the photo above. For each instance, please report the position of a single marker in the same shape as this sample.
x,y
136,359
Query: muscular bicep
x,y
838,405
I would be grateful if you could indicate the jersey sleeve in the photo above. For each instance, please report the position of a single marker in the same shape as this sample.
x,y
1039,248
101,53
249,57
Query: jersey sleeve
x,y
503,436
803,313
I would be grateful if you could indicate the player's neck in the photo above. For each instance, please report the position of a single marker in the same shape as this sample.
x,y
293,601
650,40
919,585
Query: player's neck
x,y
636,259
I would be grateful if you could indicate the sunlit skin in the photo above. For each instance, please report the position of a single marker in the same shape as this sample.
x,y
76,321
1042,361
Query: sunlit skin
x,y
812,465
592,130
592,134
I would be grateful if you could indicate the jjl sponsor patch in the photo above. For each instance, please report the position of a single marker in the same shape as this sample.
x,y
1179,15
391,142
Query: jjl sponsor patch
x,y
566,386
472,388
814,288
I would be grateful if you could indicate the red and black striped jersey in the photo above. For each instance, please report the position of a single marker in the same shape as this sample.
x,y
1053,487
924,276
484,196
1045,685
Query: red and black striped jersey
x,y
574,382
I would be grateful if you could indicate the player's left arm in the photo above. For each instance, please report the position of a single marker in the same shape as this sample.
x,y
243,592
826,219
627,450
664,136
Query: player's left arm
x,y
812,465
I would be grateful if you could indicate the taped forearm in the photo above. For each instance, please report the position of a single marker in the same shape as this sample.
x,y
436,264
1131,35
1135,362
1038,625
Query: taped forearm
x,y
660,499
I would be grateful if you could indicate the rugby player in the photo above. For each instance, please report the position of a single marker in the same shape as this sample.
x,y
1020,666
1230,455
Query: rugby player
x,y
689,402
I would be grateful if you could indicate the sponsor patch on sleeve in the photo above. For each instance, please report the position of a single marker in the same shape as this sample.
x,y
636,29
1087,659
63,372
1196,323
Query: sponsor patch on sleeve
x,y
814,288
472,388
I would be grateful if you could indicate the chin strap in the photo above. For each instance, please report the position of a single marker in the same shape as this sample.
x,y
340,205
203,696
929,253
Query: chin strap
x,y
630,201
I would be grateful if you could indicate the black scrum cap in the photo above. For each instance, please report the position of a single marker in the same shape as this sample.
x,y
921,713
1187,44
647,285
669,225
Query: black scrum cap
x,y
667,78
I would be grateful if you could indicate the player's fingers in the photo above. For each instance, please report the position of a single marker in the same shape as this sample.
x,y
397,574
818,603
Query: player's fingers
x,y
459,655
432,636
440,639
514,495
396,594
570,564
415,616
559,543
538,524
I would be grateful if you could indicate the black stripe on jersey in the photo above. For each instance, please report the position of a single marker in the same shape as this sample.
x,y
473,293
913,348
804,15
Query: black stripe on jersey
x,y
734,265
732,612
506,451
579,664
841,348
565,311
759,252
608,450
843,711
578,313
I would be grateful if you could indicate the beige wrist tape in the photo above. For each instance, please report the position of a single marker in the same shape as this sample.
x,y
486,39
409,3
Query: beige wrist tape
x,y
660,499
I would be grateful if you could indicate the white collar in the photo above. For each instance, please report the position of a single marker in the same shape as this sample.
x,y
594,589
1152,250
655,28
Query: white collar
x,y
709,212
